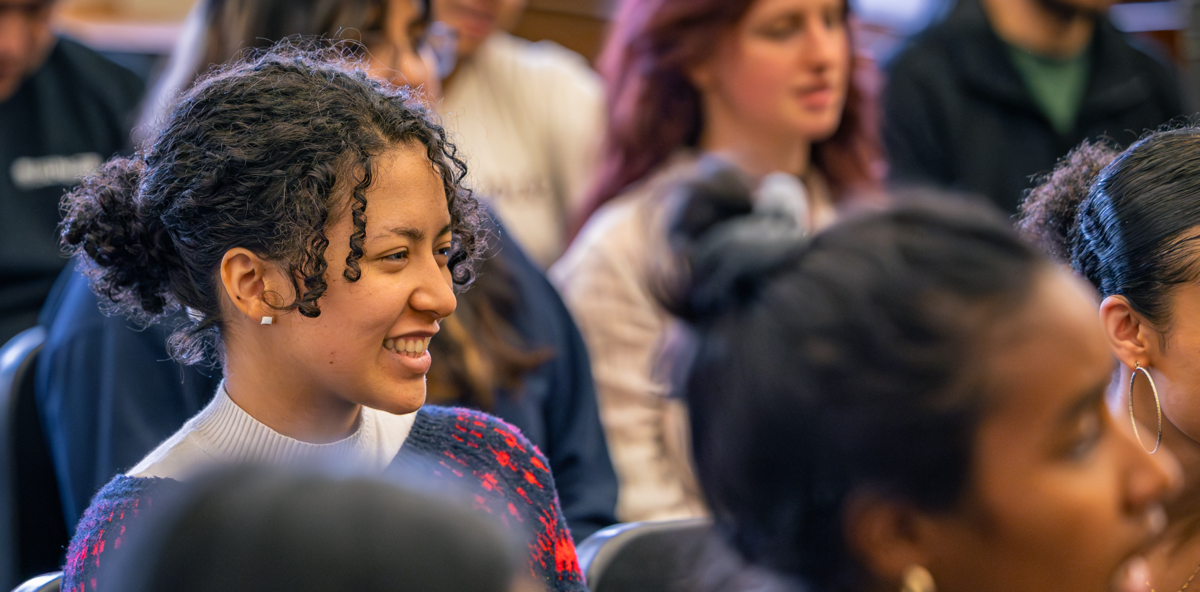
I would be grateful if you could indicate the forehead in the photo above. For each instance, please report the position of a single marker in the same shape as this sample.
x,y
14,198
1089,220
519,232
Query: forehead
x,y
405,186
1049,353
761,8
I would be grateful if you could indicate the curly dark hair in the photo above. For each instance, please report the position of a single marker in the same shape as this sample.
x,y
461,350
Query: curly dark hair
x,y
260,154
1127,221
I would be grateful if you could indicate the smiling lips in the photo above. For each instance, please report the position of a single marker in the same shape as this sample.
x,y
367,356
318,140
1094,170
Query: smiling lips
x,y
413,348
817,96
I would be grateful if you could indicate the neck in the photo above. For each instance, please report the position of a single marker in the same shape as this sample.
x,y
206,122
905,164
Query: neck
x,y
756,154
1044,27
270,393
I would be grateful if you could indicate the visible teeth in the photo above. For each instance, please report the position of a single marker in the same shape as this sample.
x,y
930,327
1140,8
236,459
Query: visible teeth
x,y
409,347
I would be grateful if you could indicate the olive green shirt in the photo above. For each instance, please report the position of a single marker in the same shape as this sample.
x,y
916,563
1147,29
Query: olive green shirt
x,y
1056,85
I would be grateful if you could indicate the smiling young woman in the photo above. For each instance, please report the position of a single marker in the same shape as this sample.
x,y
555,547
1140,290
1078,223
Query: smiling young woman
x,y
914,400
309,218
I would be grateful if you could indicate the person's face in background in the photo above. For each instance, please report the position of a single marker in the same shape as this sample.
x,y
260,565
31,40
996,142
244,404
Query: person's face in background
x,y
475,20
25,39
784,69
1061,496
399,54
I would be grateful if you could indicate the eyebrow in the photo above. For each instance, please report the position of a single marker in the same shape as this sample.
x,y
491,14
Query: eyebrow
x,y
1085,401
414,234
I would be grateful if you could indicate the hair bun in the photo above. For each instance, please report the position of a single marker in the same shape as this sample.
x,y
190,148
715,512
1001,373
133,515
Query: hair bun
x,y
1048,216
728,238
130,249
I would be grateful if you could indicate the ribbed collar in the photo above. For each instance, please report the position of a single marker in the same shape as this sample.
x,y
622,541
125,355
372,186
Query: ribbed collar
x,y
228,432
224,433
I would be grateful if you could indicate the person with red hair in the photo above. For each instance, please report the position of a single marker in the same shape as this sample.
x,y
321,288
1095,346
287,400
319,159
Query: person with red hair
x,y
768,85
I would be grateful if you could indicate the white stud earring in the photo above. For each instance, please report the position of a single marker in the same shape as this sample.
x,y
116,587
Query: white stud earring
x,y
267,320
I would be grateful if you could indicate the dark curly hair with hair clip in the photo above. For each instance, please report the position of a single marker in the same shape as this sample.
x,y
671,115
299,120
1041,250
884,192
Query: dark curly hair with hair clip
x,y
261,154
1128,222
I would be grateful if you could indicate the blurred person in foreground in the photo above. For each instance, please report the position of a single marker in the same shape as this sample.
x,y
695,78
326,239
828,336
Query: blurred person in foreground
x,y
912,400
528,117
1002,89
63,110
253,529
109,393
769,85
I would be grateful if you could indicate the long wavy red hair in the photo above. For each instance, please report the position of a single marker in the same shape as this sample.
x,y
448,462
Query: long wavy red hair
x,y
654,109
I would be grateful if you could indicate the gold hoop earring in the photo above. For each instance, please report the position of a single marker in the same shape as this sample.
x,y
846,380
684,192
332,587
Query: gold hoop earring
x,y
918,579
1157,405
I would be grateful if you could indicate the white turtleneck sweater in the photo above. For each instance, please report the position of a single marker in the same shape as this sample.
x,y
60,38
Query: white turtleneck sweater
x,y
223,432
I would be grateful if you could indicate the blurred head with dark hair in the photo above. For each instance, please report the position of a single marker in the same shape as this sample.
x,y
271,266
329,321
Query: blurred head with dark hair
x,y
772,82
915,387
252,529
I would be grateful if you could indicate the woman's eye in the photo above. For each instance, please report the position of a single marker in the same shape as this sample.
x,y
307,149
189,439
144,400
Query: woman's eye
x,y
781,29
1088,434
397,256
443,251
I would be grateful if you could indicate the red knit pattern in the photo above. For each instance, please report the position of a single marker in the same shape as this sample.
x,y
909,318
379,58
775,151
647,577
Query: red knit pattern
x,y
504,473
509,478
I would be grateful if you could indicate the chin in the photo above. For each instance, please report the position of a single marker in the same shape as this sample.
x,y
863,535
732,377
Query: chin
x,y
401,401
823,130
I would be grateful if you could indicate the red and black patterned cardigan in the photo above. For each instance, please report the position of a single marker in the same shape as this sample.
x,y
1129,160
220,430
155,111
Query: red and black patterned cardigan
x,y
504,474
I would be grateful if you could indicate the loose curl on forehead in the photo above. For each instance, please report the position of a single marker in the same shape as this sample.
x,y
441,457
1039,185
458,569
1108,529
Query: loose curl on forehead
x,y
263,154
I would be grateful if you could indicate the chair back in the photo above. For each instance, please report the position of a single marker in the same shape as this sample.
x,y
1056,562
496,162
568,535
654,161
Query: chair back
x,y
51,582
657,556
33,531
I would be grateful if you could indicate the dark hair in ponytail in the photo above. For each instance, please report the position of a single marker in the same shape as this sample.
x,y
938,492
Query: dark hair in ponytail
x,y
260,154
1128,222
854,362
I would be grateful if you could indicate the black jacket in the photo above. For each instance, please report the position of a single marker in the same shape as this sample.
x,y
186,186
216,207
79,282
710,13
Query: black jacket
x,y
72,114
957,114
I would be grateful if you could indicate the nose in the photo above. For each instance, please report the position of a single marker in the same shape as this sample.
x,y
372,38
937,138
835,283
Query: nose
x,y
1151,478
434,294
15,37
402,66
415,70
823,43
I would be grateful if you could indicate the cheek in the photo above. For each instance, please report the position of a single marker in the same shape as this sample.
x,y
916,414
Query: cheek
x,y
509,12
1178,384
757,79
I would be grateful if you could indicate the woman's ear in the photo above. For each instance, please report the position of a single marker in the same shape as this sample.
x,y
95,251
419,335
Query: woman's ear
x,y
887,537
253,285
1129,335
